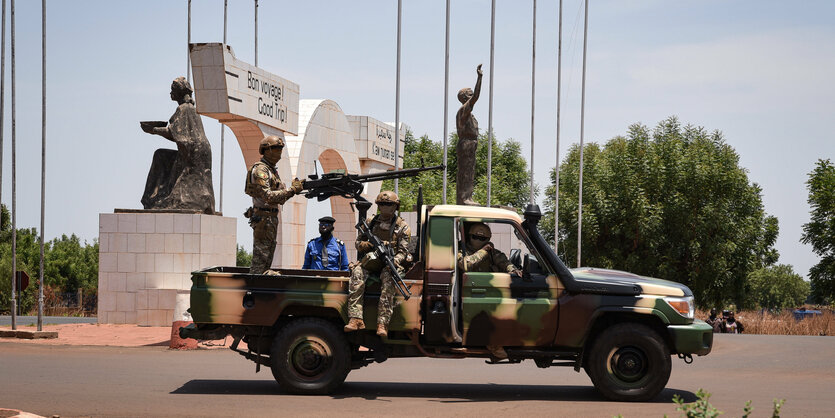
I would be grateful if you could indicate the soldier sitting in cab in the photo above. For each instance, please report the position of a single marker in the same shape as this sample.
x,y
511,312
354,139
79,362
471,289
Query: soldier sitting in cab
x,y
482,256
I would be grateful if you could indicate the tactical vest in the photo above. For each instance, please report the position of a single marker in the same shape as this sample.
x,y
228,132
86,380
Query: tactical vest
x,y
250,186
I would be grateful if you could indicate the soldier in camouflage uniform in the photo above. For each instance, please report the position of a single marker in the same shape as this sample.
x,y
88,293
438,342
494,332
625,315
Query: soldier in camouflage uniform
x,y
393,231
481,256
268,192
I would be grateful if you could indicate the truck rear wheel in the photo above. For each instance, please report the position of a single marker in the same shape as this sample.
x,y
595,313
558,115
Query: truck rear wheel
x,y
629,362
310,356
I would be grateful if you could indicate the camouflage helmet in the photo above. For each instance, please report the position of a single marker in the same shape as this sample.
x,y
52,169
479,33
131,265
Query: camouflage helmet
x,y
269,142
387,196
481,229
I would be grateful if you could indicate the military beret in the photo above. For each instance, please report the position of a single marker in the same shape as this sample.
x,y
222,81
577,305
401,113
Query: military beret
x,y
327,219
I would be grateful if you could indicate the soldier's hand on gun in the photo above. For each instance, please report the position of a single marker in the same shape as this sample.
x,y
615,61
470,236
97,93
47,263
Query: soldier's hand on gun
x,y
297,186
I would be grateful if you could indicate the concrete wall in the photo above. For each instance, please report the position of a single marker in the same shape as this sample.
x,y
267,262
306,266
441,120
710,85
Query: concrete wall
x,y
144,258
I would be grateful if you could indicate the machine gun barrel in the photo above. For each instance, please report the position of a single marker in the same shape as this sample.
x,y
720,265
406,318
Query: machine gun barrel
x,y
350,185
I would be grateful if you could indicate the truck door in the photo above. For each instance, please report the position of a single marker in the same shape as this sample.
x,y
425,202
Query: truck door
x,y
503,309
441,299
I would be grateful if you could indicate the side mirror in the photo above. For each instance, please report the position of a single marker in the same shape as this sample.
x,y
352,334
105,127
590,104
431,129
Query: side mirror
x,y
516,257
526,268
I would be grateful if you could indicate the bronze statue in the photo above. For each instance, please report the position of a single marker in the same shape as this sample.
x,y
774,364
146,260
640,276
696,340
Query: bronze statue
x,y
467,143
182,178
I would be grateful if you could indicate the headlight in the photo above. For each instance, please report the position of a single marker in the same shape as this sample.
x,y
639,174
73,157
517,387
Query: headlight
x,y
684,306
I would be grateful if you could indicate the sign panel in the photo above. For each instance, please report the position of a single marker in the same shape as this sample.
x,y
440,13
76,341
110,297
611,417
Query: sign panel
x,y
21,280
229,89
375,139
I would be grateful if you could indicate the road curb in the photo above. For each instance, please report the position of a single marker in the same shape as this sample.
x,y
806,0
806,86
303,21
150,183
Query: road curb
x,y
28,335
14,413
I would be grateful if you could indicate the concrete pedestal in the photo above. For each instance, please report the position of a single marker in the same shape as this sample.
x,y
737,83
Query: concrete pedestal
x,y
145,258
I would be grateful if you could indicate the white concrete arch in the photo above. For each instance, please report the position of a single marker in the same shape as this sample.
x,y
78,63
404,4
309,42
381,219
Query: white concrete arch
x,y
324,135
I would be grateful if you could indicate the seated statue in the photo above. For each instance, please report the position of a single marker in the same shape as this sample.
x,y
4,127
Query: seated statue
x,y
182,178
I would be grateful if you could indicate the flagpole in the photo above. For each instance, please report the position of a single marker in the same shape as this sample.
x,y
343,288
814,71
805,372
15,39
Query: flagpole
x,y
557,174
582,132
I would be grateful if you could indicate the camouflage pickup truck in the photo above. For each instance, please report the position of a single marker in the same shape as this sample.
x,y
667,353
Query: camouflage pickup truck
x,y
622,329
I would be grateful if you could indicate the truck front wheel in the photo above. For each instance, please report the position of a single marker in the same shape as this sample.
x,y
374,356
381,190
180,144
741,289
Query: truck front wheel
x,y
629,362
310,356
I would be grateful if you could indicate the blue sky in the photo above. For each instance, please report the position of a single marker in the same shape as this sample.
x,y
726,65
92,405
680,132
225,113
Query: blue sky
x,y
759,71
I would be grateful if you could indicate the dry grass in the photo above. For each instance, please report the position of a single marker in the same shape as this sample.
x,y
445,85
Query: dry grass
x,y
783,323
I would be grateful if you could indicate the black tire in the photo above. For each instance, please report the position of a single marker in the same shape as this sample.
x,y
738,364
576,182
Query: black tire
x,y
310,356
629,362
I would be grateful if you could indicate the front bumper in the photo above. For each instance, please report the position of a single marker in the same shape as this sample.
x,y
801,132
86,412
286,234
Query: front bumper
x,y
695,338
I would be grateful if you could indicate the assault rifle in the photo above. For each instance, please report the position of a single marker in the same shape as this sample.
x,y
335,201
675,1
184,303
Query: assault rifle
x,y
351,186
381,251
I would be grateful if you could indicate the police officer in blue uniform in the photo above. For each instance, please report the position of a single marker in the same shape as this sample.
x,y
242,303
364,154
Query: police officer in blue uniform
x,y
325,252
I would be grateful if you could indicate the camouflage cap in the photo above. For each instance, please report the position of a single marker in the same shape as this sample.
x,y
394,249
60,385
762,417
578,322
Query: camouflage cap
x,y
269,142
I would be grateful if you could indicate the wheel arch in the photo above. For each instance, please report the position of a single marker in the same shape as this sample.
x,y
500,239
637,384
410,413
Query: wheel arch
x,y
609,316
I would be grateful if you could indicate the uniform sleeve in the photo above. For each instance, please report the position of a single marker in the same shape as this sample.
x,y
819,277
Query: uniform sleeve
x,y
261,181
343,257
501,262
307,258
464,262
401,247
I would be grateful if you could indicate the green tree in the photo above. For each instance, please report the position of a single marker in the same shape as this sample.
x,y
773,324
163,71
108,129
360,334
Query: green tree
x,y
820,230
671,203
243,257
69,265
777,287
509,181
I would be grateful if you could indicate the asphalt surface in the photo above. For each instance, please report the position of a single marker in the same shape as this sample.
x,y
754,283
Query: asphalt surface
x,y
24,321
153,381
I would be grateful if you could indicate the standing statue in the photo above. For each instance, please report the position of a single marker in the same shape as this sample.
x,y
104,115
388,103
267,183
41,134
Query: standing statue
x,y
467,143
180,179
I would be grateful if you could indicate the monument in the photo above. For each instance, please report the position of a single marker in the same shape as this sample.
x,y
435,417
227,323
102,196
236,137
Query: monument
x,y
146,256
467,143
181,178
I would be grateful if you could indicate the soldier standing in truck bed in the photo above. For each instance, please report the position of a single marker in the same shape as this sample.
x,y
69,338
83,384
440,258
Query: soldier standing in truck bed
x,y
268,192
395,232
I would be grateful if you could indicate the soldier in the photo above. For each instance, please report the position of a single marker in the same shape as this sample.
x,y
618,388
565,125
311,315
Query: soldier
x,y
467,127
393,231
483,257
267,191
325,252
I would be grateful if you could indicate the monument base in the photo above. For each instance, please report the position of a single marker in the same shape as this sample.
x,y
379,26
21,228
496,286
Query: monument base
x,y
146,258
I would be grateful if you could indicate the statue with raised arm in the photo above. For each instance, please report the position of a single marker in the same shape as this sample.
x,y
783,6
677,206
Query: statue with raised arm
x,y
467,143
181,178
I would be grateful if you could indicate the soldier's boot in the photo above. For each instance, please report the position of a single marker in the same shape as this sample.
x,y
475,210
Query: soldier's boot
x,y
354,324
382,330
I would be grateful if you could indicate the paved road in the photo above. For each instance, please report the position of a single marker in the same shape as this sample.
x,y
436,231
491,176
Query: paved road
x,y
6,320
146,381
